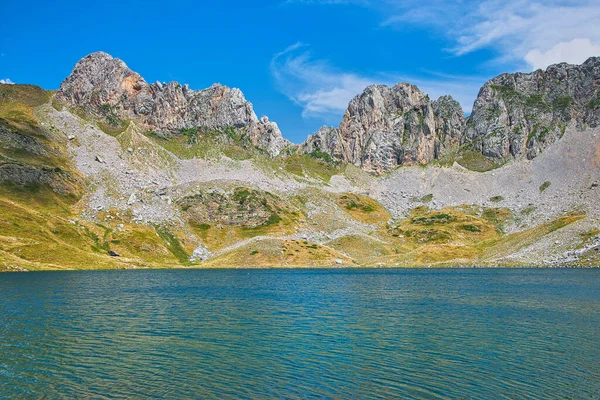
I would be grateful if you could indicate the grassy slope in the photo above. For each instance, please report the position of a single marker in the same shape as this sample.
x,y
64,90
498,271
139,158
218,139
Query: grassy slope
x,y
39,230
37,221
273,253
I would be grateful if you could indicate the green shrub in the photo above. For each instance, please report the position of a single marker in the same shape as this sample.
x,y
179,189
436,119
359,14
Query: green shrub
x,y
562,103
471,228
545,186
322,156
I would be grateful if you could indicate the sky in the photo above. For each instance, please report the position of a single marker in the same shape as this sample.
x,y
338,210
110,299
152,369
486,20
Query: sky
x,y
300,61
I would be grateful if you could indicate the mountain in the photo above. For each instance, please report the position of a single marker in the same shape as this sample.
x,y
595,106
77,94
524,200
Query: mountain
x,y
112,172
521,114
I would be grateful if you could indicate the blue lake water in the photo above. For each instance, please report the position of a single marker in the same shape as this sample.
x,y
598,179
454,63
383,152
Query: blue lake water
x,y
423,334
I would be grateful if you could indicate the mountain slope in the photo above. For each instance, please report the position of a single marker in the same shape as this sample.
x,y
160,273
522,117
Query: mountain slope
x,y
112,172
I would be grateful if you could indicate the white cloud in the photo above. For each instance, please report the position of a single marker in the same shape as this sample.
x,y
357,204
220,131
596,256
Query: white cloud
x,y
320,89
324,92
575,52
539,33
7,81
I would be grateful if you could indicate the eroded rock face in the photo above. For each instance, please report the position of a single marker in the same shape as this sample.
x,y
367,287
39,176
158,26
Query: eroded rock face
x,y
325,140
450,124
389,126
105,87
514,115
23,174
266,135
521,114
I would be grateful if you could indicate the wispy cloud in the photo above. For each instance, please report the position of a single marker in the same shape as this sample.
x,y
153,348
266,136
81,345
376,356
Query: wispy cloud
x,y
7,81
320,89
530,33
324,91
538,33
575,52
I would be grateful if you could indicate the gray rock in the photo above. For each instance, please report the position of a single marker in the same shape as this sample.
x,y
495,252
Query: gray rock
x,y
267,136
200,253
389,126
105,87
132,199
521,114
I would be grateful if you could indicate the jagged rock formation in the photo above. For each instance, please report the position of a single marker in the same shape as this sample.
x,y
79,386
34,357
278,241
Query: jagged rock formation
x,y
266,135
106,88
514,115
521,114
326,140
389,126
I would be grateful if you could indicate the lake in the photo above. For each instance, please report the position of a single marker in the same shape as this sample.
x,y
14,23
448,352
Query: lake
x,y
416,333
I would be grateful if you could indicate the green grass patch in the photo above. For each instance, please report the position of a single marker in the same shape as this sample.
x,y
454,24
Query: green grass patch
x,y
207,144
528,210
544,186
471,228
562,103
433,218
173,244
471,159
307,166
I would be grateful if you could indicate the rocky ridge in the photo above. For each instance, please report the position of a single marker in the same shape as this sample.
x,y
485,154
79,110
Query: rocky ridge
x,y
164,190
106,88
514,115
521,114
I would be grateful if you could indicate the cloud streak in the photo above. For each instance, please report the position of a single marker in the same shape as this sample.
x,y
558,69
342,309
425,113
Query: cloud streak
x,y
537,33
7,81
321,90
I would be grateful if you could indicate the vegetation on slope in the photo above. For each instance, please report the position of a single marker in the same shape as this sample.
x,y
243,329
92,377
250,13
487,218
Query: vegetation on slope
x,y
222,216
277,253
40,229
470,158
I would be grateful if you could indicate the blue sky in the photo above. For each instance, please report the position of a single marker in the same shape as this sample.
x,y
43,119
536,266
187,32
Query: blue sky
x,y
300,61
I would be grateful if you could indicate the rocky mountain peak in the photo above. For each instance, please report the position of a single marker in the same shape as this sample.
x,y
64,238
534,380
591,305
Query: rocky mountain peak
x,y
521,114
105,87
384,127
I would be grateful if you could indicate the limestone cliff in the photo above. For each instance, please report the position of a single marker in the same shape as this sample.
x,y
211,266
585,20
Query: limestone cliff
x,y
521,114
106,88
514,115
389,126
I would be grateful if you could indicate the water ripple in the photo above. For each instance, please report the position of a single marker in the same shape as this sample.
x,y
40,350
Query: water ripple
x,y
410,334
